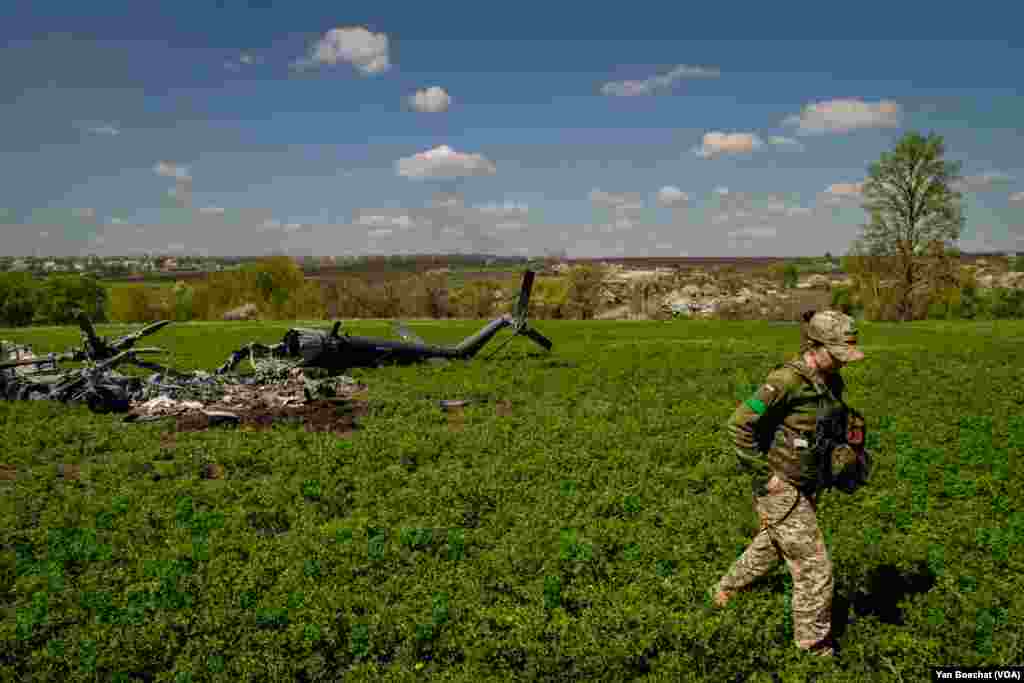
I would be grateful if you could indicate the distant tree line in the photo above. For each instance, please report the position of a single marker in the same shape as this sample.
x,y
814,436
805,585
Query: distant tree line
x,y
26,300
275,288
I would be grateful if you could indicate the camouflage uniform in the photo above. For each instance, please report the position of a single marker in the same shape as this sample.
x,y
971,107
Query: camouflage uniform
x,y
786,478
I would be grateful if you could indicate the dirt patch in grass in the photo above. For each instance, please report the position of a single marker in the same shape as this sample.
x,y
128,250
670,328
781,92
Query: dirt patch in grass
x,y
336,417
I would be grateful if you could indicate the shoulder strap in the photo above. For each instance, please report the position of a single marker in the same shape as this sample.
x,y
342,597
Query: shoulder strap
x,y
820,388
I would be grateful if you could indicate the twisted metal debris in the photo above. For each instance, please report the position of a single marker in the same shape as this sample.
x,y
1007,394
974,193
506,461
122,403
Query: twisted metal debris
x,y
275,382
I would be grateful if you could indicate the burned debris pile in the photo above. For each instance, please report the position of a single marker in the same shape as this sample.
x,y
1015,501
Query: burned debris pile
x,y
297,378
279,389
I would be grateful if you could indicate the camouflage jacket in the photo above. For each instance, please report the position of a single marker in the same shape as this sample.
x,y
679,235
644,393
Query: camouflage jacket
x,y
773,430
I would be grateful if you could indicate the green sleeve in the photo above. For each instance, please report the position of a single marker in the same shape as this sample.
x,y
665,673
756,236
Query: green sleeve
x,y
764,404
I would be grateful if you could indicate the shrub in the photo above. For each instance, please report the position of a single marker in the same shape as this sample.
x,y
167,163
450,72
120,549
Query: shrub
x,y
790,276
584,292
843,299
62,296
1006,303
183,297
19,299
477,299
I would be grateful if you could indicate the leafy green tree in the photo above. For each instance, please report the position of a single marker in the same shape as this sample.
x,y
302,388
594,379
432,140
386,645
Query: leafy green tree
x,y
19,297
63,296
911,203
790,276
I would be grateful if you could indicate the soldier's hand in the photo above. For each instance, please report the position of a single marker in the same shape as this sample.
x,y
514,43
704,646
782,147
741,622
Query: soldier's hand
x,y
843,456
851,468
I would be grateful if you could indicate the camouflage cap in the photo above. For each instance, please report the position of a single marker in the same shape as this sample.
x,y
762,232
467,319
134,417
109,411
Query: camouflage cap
x,y
837,332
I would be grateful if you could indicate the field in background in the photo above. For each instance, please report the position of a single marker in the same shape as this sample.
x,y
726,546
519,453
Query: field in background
x,y
566,527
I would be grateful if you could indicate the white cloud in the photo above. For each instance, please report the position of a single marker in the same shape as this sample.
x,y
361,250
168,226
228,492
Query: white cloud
x,y
671,196
106,129
654,84
982,181
786,143
383,232
366,51
212,211
169,170
844,115
845,189
444,162
1017,197
444,200
272,224
715,143
508,209
722,191
617,202
434,99
378,221
292,227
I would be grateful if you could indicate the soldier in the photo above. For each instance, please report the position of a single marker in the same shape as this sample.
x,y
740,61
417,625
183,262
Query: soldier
x,y
776,434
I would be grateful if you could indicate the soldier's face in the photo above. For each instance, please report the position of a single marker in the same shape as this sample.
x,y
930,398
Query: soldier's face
x,y
827,363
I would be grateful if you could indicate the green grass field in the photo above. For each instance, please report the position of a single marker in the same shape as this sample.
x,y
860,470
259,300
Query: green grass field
x,y
570,536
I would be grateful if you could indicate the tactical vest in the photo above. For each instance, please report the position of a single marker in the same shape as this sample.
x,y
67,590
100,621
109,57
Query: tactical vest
x,y
835,424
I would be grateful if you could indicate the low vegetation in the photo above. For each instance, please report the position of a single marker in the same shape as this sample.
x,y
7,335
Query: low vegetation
x,y
569,535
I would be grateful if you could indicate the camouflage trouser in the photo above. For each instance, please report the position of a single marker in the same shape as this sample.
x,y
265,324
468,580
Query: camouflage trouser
x,y
799,541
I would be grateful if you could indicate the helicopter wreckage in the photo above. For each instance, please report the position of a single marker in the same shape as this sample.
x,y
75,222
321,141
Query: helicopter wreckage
x,y
298,378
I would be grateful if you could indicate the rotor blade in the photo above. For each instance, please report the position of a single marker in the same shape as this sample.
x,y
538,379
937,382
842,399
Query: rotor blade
x,y
522,305
152,327
148,349
125,342
86,325
537,337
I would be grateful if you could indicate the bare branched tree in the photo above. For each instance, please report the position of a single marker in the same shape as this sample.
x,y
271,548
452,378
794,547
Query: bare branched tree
x,y
912,205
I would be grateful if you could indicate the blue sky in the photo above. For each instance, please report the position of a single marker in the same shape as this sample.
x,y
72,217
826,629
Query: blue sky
x,y
639,129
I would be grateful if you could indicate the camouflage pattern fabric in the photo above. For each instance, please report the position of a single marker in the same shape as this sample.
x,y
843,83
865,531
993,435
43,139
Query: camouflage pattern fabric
x,y
772,431
773,435
796,538
837,332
